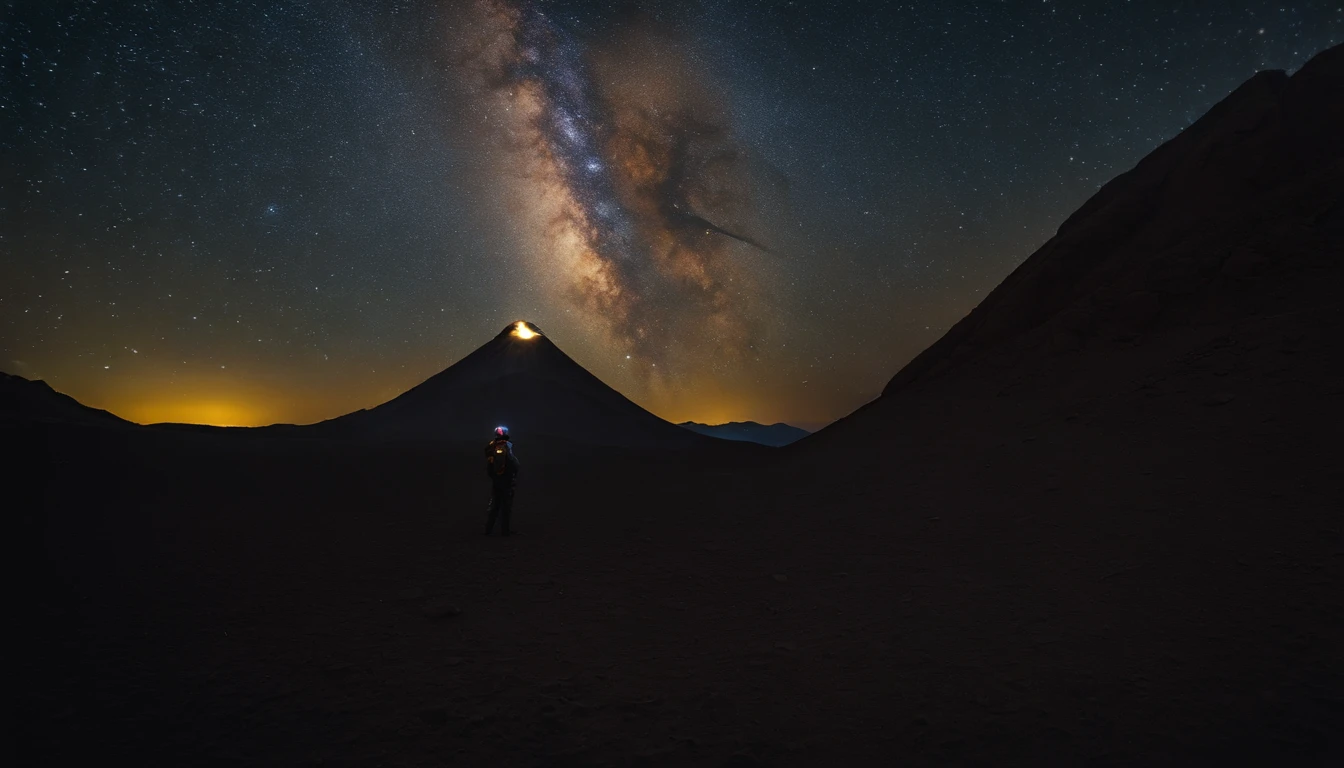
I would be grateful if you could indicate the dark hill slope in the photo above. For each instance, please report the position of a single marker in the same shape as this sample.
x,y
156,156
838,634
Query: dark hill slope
x,y
36,401
1240,216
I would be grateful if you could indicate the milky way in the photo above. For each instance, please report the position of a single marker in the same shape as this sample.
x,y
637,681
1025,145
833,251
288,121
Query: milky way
x,y
621,161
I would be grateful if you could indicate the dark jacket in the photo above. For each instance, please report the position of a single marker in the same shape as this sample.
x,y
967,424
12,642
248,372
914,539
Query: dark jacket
x,y
496,449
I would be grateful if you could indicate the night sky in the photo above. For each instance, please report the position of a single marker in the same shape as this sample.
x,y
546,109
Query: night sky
x,y
249,212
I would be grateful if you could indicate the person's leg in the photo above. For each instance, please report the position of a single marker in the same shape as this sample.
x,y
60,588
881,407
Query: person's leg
x,y
495,500
506,510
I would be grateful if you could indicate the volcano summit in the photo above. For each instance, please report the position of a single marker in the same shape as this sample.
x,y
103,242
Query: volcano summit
x,y
523,380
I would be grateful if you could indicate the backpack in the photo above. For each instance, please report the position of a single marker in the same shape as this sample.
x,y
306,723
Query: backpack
x,y
497,458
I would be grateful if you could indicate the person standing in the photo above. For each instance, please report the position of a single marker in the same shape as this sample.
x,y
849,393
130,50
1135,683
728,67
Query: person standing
x,y
501,464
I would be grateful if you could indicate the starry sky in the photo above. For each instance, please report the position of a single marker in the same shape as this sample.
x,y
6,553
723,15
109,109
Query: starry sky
x,y
245,212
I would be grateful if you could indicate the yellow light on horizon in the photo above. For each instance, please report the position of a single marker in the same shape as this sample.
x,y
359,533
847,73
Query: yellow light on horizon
x,y
521,330
209,411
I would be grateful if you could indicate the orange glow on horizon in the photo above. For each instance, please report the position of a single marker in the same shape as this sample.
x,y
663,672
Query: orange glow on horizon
x,y
211,412
246,399
237,409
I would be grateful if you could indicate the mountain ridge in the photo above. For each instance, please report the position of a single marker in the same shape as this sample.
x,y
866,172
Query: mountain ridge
x,y
528,384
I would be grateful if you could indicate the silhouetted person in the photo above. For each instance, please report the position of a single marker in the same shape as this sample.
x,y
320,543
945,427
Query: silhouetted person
x,y
502,467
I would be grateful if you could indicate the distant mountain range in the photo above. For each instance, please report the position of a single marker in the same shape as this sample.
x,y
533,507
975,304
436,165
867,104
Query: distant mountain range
x,y
527,384
519,379
749,431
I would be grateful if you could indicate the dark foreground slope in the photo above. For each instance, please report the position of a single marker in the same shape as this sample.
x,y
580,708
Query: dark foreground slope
x,y
528,384
1125,463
